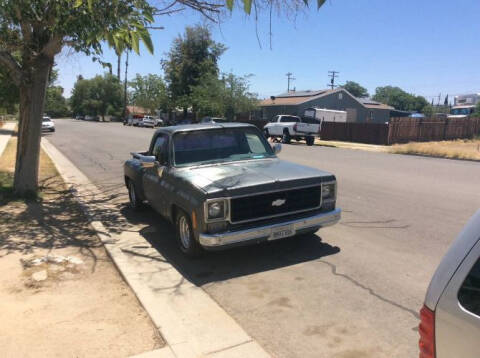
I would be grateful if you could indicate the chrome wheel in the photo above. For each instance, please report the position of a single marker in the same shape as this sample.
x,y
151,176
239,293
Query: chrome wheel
x,y
184,231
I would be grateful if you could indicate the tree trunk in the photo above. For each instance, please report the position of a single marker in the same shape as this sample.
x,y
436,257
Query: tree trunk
x,y
119,58
32,100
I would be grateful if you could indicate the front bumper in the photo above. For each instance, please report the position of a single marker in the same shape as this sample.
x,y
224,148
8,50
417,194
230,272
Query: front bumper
x,y
265,232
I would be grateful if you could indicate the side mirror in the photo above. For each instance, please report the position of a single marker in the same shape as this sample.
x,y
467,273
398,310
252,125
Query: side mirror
x,y
277,148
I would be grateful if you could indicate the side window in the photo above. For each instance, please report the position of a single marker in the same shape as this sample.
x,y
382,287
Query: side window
x,y
160,150
275,119
469,293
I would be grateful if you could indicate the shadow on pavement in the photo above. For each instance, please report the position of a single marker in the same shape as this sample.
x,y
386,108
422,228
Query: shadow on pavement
x,y
216,266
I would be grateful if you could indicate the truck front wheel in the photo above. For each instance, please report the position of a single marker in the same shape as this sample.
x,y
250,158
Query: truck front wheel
x,y
267,135
185,235
310,140
135,202
286,138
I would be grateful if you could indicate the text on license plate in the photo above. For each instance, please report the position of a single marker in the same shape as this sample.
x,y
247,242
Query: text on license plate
x,y
282,232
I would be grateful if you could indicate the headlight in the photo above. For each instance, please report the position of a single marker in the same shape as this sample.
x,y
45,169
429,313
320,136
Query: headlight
x,y
328,191
216,210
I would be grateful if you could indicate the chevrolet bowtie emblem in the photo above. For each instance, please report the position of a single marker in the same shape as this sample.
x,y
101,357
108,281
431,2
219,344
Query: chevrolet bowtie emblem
x,y
278,202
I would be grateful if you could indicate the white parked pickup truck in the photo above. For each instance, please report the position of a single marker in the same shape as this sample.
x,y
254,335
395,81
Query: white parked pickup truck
x,y
290,127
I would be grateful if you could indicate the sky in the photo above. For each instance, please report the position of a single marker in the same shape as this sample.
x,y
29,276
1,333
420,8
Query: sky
x,y
426,47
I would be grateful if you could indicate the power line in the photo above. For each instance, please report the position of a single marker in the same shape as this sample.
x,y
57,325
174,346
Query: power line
x,y
332,75
289,78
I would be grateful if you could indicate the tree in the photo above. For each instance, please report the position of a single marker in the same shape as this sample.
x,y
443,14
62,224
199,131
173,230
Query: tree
x,y
477,110
37,30
55,103
9,96
355,89
399,99
238,98
192,57
149,92
100,95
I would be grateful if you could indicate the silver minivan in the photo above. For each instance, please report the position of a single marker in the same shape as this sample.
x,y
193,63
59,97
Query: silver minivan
x,y
450,317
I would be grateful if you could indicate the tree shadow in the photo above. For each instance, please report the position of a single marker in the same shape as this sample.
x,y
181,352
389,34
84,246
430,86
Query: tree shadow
x,y
54,222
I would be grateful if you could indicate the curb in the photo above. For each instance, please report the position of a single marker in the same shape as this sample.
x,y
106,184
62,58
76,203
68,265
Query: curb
x,y
191,322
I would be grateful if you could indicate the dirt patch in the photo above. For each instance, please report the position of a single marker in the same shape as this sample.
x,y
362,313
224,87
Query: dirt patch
x,y
454,149
62,296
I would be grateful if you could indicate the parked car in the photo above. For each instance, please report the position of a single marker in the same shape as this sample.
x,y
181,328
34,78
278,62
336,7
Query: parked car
x,y
450,317
133,121
147,121
89,118
285,126
158,122
213,120
80,118
223,186
48,124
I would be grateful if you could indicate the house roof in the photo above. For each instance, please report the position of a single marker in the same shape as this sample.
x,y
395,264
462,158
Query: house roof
x,y
294,98
299,97
137,110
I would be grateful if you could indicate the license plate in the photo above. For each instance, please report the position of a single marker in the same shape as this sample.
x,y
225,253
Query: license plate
x,y
282,232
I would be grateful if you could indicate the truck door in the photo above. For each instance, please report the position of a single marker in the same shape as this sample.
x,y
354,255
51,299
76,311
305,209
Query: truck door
x,y
154,179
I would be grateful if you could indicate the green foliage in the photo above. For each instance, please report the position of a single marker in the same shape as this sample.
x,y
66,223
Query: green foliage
x,y
149,92
9,96
355,89
477,110
55,103
237,97
192,57
101,95
399,99
428,111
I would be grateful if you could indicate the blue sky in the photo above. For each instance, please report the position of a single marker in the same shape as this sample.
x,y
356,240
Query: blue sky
x,y
426,47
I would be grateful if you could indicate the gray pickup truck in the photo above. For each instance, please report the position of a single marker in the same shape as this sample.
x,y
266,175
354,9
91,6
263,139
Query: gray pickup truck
x,y
222,185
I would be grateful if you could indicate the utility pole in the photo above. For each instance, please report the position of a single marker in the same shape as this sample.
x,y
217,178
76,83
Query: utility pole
x,y
332,75
289,78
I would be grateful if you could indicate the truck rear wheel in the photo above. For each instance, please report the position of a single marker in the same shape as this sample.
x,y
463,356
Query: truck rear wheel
x,y
310,140
286,138
185,235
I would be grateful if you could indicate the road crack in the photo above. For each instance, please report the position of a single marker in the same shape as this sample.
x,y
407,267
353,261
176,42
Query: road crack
x,y
370,291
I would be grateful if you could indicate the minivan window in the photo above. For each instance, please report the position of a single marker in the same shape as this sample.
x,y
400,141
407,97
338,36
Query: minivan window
x,y
469,293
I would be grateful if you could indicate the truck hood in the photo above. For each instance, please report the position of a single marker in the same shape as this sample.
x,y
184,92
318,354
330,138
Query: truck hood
x,y
246,177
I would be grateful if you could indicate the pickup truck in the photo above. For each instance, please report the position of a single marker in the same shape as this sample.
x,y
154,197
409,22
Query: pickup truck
x,y
222,185
290,127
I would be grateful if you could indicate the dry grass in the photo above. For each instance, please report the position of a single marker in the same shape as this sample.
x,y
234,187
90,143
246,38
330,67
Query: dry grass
x,y
454,149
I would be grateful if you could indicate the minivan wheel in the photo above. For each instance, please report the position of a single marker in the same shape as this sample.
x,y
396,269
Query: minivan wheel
x,y
185,236
135,202
310,140
286,139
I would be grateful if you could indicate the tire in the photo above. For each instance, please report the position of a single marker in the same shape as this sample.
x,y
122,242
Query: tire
x,y
310,140
52,130
267,135
185,236
286,138
134,200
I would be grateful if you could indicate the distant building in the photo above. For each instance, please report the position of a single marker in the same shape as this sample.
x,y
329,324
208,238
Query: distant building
x,y
467,99
358,109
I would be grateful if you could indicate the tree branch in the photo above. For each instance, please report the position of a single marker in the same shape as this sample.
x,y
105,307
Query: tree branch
x,y
12,65
53,46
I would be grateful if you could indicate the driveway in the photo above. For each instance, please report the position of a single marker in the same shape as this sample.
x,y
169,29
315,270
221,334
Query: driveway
x,y
352,290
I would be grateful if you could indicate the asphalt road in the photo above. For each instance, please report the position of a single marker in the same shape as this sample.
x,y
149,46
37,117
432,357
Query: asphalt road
x,y
351,291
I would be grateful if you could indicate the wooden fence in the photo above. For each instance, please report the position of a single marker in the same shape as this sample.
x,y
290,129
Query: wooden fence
x,y
398,130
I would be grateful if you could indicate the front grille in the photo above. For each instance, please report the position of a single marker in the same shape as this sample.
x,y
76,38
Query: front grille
x,y
260,206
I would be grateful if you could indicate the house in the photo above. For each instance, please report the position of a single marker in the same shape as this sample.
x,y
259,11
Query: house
x,y
136,112
358,109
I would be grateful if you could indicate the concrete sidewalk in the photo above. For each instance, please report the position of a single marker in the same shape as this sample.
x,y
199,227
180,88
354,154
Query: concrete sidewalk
x,y
5,133
351,145
192,323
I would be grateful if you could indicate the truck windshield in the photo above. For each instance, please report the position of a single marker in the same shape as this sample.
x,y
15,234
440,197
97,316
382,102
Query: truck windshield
x,y
219,145
462,111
